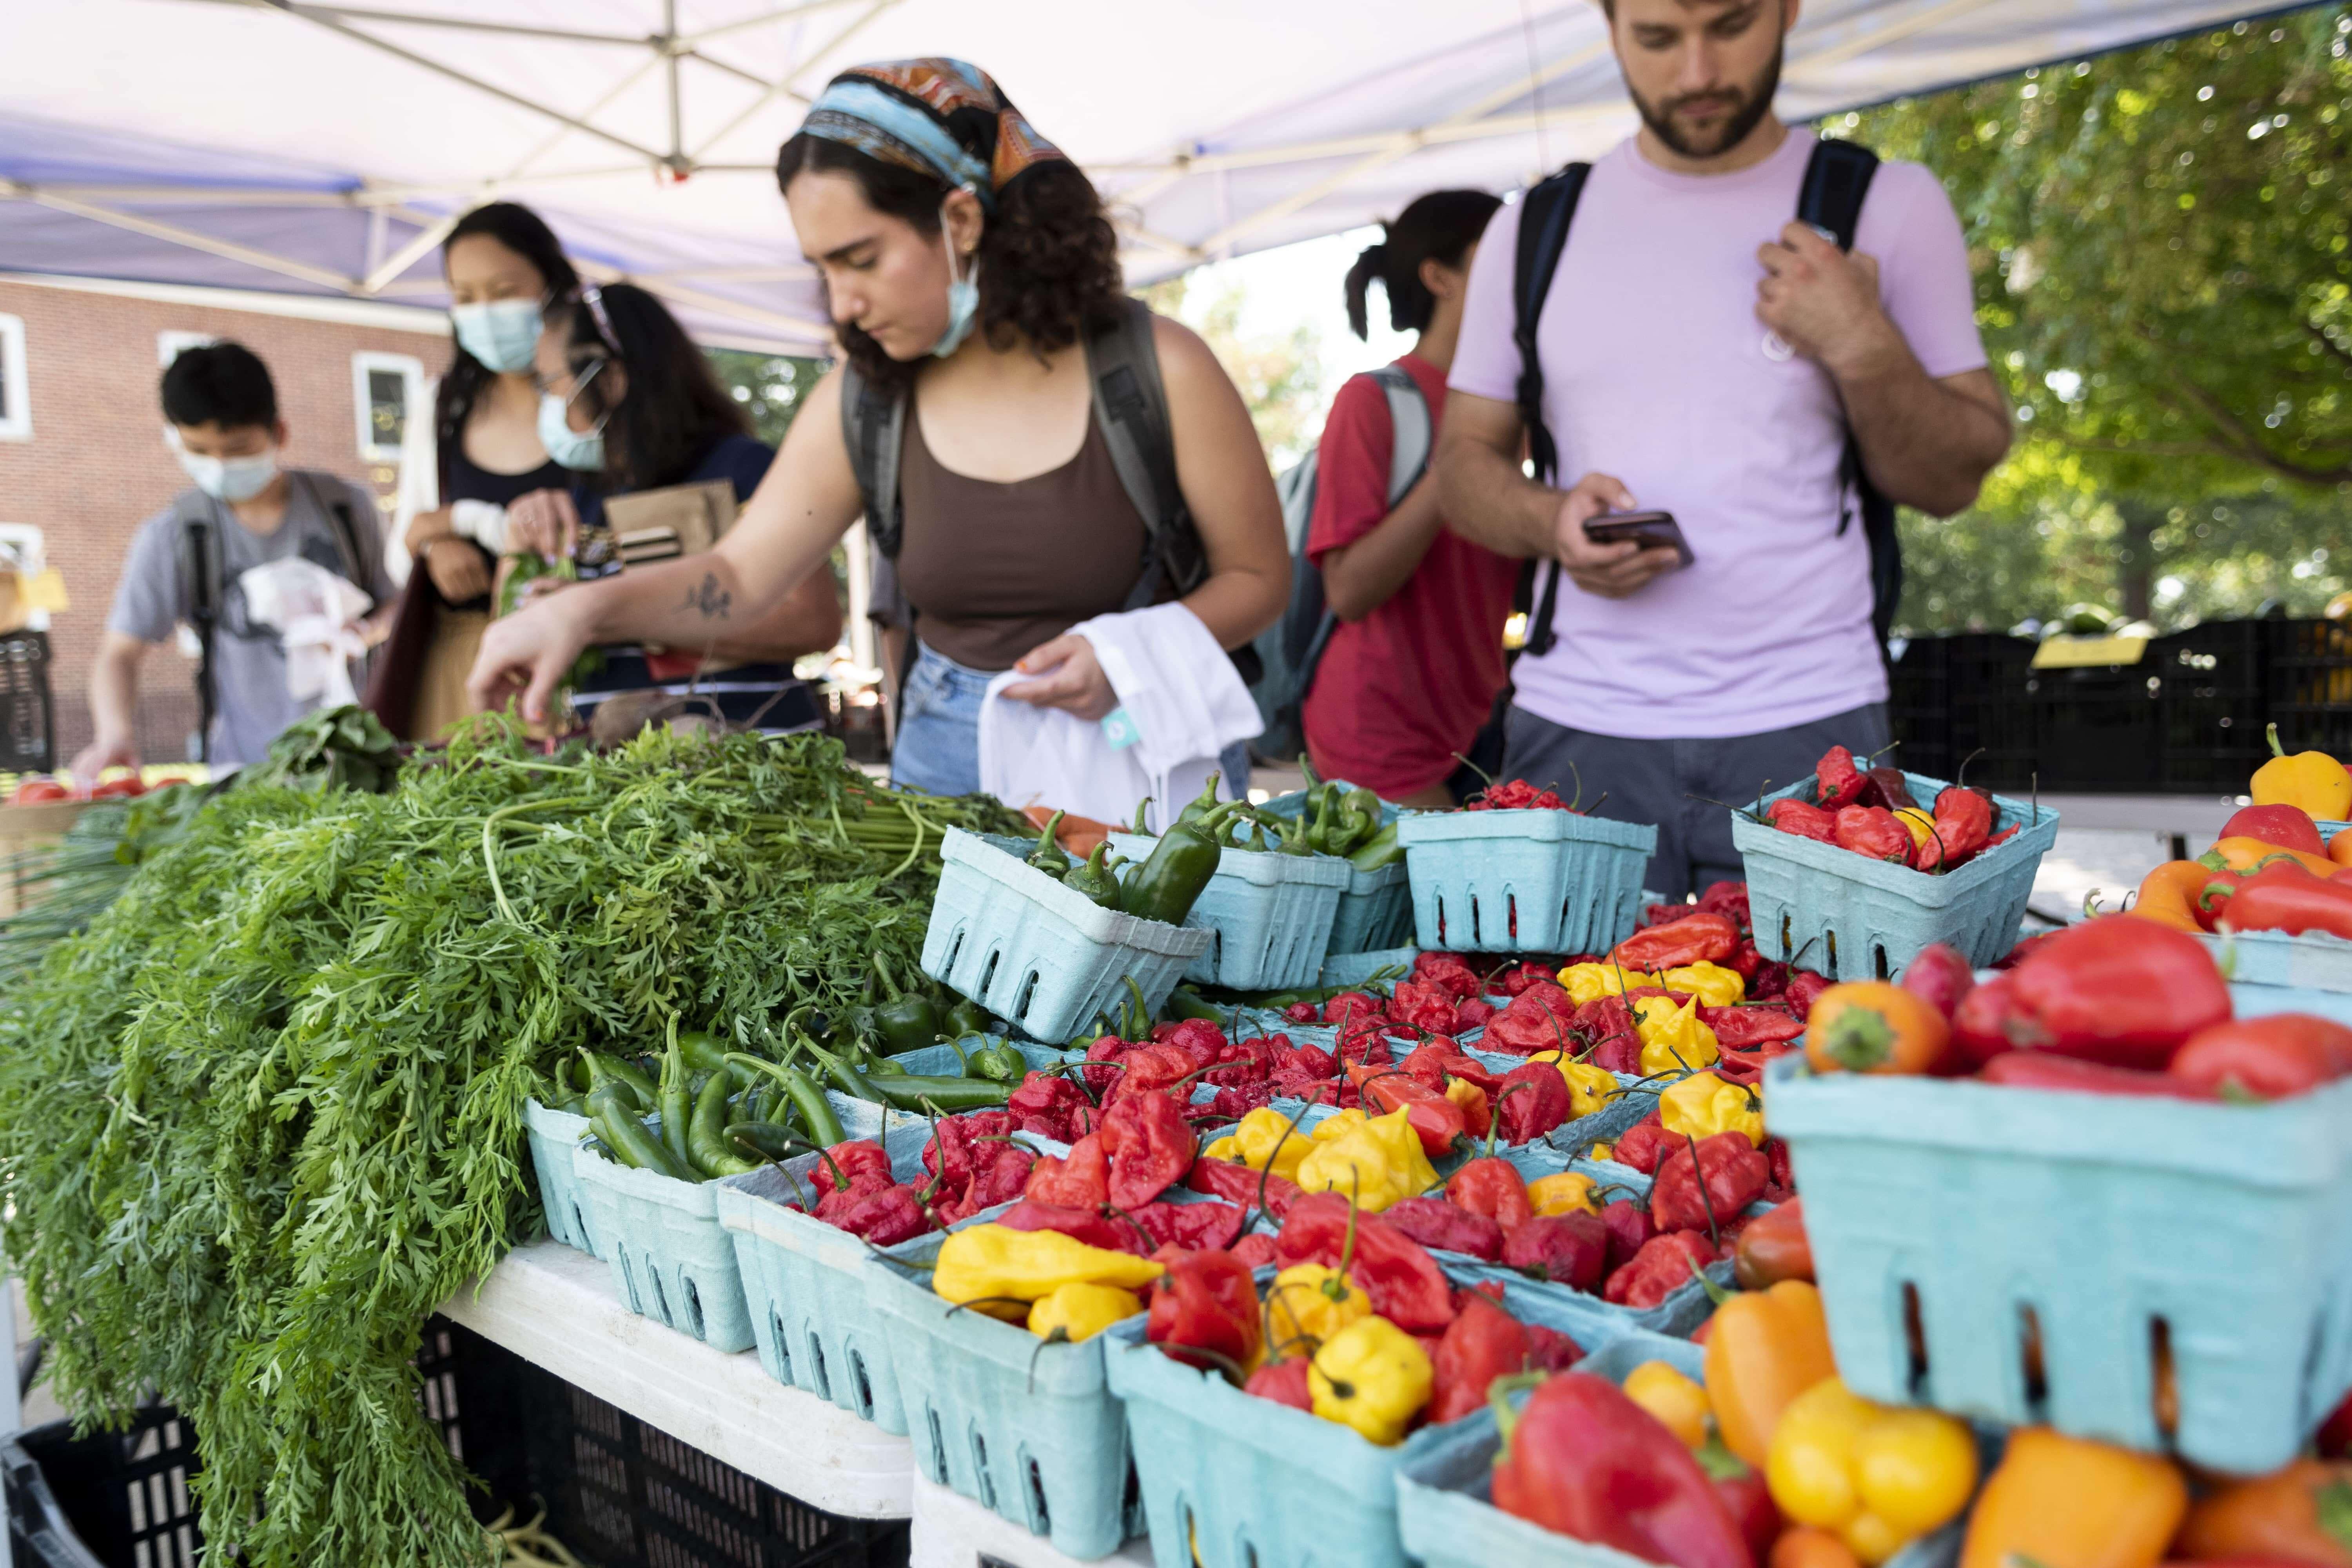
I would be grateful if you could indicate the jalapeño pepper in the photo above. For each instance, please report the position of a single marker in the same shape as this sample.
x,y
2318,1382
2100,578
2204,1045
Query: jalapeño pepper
x,y
1049,856
1205,804
1171,879
1095,879
1001,1062
905,1020
1382,849
966,1017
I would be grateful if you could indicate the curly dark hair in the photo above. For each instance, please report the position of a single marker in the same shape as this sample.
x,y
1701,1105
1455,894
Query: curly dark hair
x,y
1048,256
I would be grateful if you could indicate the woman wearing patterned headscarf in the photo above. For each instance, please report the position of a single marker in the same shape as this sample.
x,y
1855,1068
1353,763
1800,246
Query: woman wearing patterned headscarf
x,y
969,266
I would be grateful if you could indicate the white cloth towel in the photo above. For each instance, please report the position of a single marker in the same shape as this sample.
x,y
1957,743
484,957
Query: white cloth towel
x,y
317,616
1178,691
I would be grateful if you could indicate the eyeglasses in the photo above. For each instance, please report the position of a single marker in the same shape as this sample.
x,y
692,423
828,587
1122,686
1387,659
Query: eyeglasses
x,y
580,379
593,297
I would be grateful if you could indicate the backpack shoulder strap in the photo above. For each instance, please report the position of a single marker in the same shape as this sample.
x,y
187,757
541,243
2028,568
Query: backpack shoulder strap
x,y
1409,414
200,560
347,534
873,430
1837,178
1546,213
1131,403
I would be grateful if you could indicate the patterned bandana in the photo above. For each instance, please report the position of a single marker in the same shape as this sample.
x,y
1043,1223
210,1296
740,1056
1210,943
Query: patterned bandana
x,y
936,116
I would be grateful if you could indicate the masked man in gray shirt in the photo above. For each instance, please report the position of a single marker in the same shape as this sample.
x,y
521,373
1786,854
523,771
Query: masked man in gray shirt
x,y
186,563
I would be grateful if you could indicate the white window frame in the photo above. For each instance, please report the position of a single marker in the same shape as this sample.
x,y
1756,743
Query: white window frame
x,y
17,419
172,342
412,376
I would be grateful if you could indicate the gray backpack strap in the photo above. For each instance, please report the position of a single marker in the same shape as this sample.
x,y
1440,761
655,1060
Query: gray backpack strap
x,y
873,431
345,529
1409,415
1131,405
200,562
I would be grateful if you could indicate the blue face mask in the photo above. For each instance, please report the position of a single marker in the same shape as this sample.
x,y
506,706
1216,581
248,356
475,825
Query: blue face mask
x,y
964,299
502,334
579,449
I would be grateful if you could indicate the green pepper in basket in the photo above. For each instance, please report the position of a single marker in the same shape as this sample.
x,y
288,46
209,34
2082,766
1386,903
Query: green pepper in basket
x,y
999,1062
966,1017
1205,804
1171,879
1384,848
1049,857
1095,879
905,1019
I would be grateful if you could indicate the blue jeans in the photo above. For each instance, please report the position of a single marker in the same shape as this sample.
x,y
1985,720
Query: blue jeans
x,y
939,730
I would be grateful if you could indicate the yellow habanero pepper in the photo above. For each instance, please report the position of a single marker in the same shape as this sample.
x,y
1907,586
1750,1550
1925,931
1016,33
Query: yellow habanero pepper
x,y
1711,982
1379,1160
1672,1037
1339,1124
1703,1105
1081,1311
1601,1152
1678,1403
1563,1191
1879,1478
1589,1088
2068,1503
1307,1305
2311,780
989,1260
1372,1377
1920,827
1264,1133
1589,982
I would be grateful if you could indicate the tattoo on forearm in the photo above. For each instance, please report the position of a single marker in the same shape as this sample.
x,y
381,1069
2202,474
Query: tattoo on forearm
x,y
709,599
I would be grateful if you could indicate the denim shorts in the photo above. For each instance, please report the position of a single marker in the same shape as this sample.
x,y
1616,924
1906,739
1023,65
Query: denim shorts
x,y
938,729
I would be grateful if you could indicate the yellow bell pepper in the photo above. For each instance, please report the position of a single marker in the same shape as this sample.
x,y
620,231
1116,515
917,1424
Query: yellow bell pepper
x,y
1307,1305
1676,1401
1711,982
2068,1503
1673,1038
2311,780
1262,1134
1590,981
1379,1160
1878,1477
1081,1311
1372,1377
989,1260
1564,1191
1703,1105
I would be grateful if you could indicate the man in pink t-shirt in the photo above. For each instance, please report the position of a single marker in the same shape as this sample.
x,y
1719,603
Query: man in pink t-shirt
x,y
1704,354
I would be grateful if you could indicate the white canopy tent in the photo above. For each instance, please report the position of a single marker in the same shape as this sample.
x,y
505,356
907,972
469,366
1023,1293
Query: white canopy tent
x,y
325,148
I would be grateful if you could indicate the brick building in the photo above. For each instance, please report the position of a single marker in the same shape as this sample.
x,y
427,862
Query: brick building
x,y
82,455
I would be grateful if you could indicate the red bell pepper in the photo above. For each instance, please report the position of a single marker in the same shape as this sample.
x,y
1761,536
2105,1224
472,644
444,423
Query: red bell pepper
x,y
1661,1267
1207,1302
1443,1227
1483,1342
1707,1184
1402,1280
2124,992
2288,826
1150,1147
2264,1059
1700,937
1940,976
1531,1102
1437,1121
1803,820
1491,1187
1569,1249
1284,1383
2072,1075
1584,1461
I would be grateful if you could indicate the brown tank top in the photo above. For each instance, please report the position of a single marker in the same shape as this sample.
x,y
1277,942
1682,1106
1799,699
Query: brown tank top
x,y
992,570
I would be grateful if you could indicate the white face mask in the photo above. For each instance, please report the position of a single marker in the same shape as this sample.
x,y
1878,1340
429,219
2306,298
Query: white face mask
x,y
230,479
963,297
579,449
502,334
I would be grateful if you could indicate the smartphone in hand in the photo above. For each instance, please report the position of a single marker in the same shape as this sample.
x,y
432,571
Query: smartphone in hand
x,y
1650,530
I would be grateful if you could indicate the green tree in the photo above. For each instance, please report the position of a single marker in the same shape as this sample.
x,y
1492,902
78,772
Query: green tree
x,y
769,386
2162,242
1280,376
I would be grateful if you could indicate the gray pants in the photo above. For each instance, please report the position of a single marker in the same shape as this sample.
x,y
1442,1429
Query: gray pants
x,y
1660,781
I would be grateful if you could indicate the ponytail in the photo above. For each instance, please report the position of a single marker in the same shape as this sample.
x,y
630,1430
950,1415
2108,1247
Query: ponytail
x,y
1439,227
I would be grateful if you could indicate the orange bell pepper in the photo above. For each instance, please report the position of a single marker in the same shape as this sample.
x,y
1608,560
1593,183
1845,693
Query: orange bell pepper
x,y
2246,854
2169,895
2065,1502
2298,1515
1763,1349
1874,1026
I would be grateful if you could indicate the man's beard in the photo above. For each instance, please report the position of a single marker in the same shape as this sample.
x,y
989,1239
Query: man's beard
x,y
1755,103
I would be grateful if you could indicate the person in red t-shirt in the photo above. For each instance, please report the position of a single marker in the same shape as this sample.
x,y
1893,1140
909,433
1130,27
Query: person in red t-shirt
x,y
1413,668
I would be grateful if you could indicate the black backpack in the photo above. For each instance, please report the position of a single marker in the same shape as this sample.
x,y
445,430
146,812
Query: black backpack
x,y
1836,180
1132,408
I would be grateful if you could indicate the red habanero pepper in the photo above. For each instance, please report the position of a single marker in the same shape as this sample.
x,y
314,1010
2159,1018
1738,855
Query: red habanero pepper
x,y
1302,1012
1604,1028
1746,1067
1255,1250
846,1163
1089,1226
1696,938
1437,1121
1194,1227
1630,1230
1980,1022
1436,1061
2073,1075
1003,1176
885,1217
1196,1037
1804,987
1483,1344
838,1201
2265,1058
1424,1007
1662,1266
949,1154
1549,1350
1939,976
2124,992
1207,1302
1475,1014
1284,1383
1837,782
1584,1461
1402,1280
1774,1247
1491,1187
1240,1185
1873,831
1725,899
1745,1025
1520,976
1803,820
1888,788
1443,1227
1349,1008
2283,896
1643,1144
1569,1249
1963,820
1449,972
1733,1173
1536,1020
1532,1101
1046,1103
1111,1052
1150,1147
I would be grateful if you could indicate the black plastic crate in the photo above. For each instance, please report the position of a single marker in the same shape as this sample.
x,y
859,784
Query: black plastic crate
x,y
1993,713
114,1500
28,716
2097,728
2310,665
1919,706
2213,705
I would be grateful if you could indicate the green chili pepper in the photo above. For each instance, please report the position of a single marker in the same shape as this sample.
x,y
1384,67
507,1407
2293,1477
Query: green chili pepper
x,y
1306,772
1095,879
1049,857
636,1146
966,1017
706,1135
677,1101
816,1112
1318,832
773,1140
905,1020
1142,818
998,1063
1384,848
604,1069
1201,807
917,1093
706,1052
1171,879
1187,1003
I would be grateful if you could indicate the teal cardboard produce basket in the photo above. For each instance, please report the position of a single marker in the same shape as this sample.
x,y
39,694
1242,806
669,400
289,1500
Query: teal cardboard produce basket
x,y
553,1136
671,1260
1268,916
1524,882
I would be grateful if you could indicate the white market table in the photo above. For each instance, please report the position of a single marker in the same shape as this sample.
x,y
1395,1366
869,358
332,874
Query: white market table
x,y
950,1531
556,1308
